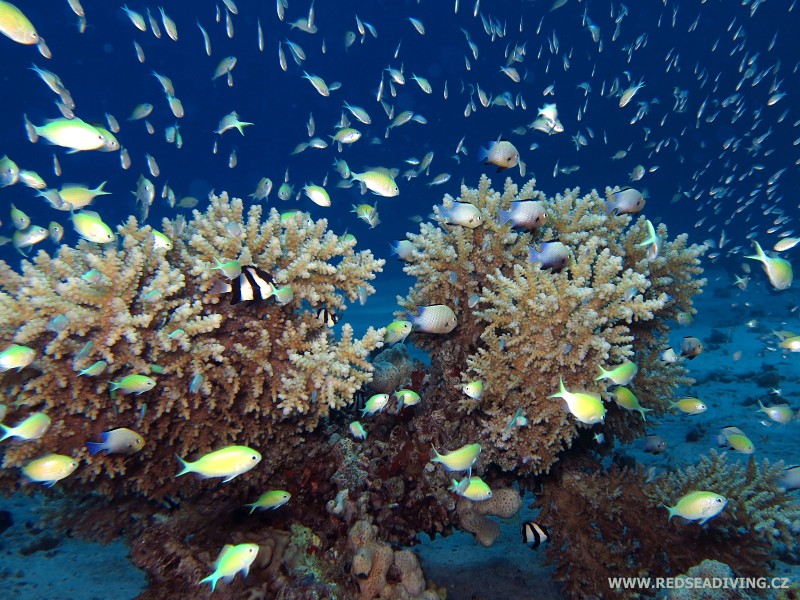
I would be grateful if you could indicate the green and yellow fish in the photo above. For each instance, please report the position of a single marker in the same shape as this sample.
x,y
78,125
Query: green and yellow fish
x,y
226,462
31,428
50,468
735,439
778,270
16,357
697,506
407,397
689,406
377,181
472,488
376,403
133,384
620,375
270,500
74,134
16,26
397,332
231,560
458,460
586,407
626,399
91,227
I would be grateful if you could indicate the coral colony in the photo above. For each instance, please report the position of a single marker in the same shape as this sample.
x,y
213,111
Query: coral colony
x,y
217,345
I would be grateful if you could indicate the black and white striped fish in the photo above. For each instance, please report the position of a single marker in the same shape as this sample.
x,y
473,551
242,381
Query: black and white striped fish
x,y
534,534
328,317
253,285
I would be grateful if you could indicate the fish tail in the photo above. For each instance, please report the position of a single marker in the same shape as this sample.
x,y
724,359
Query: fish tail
x,y
6,432
185,467
759,252
436,452
95,447
603,373
212,578
483,154
33,130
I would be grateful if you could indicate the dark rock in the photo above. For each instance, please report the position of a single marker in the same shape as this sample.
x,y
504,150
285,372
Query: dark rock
x,y
6,520
42,543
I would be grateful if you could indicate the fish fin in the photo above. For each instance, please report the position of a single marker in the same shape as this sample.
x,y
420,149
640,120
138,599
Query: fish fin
x,y
500,169
184,465
483,153
95,447
436,452
211,578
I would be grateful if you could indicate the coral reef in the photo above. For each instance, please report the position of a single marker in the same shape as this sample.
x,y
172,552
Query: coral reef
x,y
391,368
707,571
521,326
755,502
381,571
273,376
474,516
611,522
267,372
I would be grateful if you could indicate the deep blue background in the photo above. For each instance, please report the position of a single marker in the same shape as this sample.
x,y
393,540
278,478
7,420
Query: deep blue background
x,y
100,68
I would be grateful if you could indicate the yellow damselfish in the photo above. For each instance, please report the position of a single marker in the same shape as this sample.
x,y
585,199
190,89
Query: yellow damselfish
x,y
50,468
16,26
226,462
587,408
458,460
230,561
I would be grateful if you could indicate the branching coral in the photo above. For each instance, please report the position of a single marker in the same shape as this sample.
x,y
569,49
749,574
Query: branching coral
x,y
272,376
264,373
611,522
522,327
755,501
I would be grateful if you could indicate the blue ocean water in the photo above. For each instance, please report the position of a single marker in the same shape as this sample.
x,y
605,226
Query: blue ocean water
x,y
718,142
101,70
